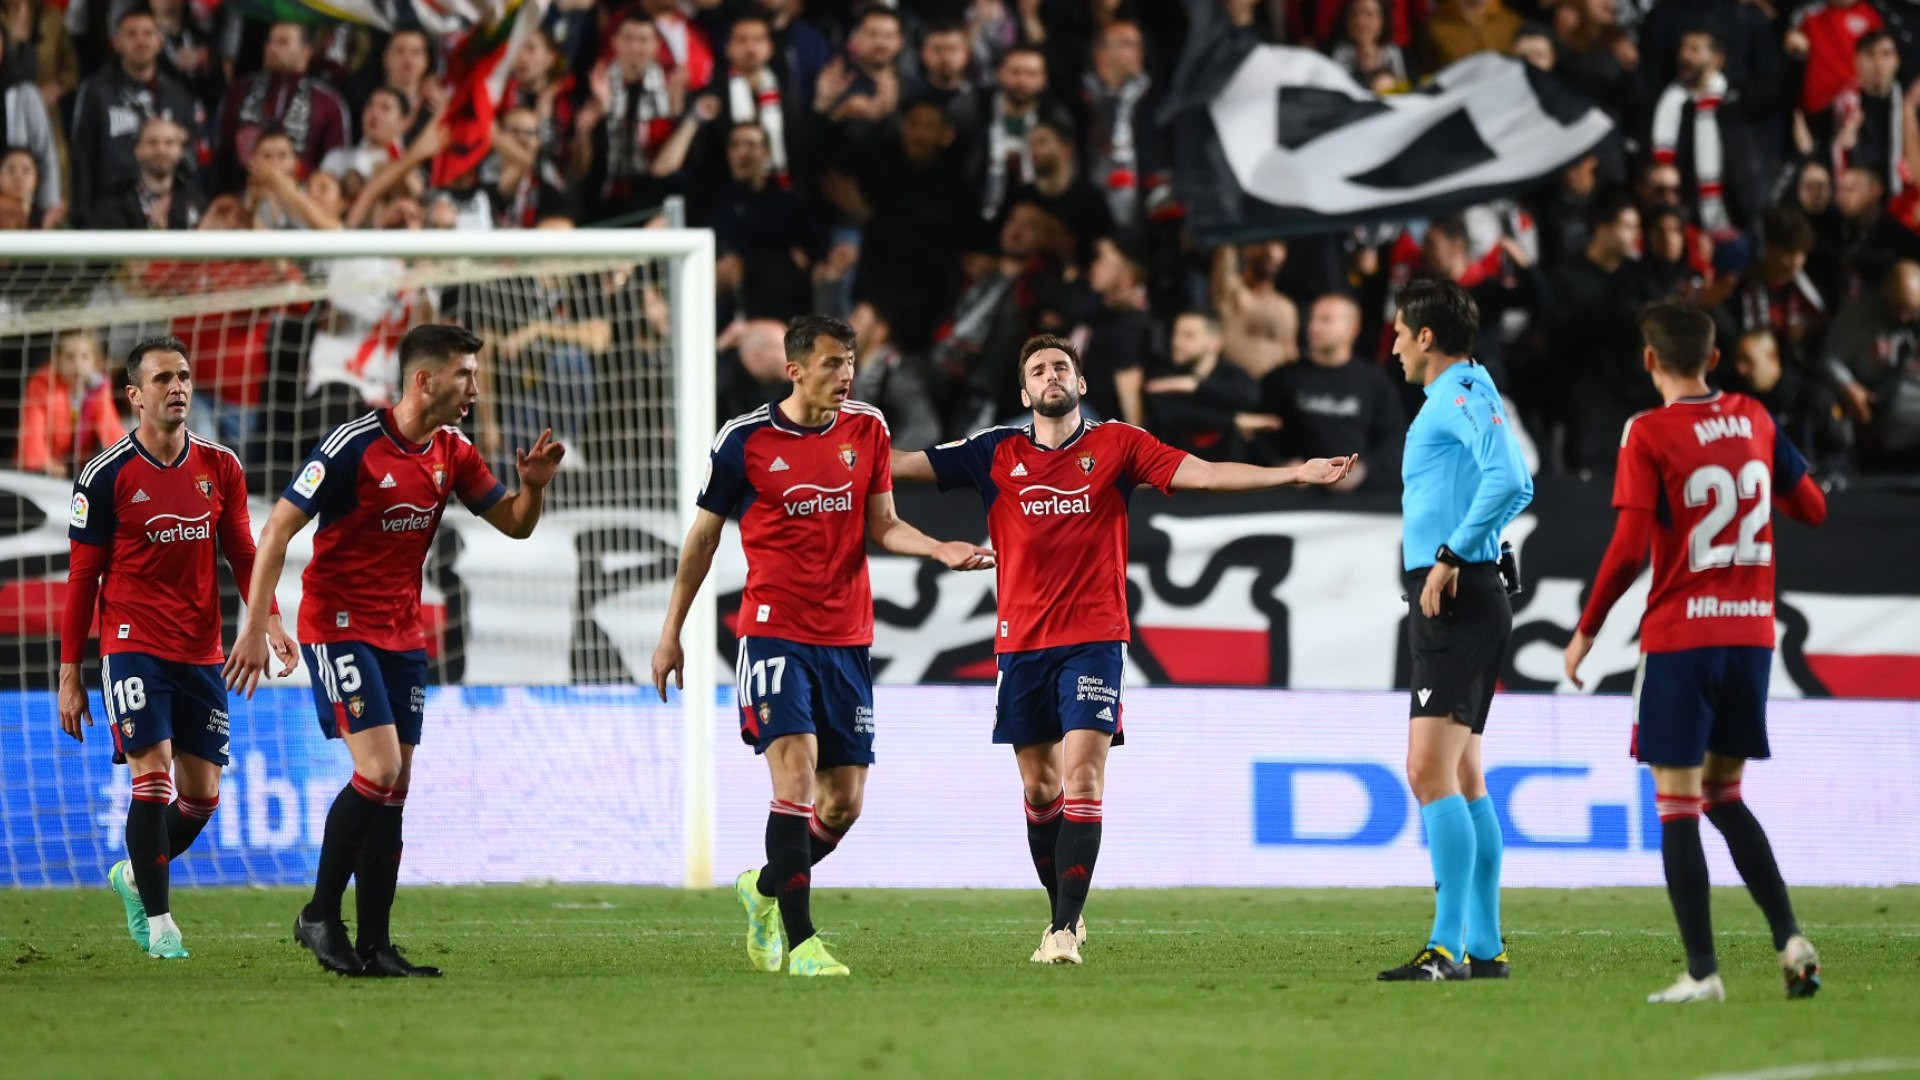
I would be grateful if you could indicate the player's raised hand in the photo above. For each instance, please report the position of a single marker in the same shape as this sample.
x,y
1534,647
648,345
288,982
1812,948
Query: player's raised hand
x,y
246,663
1325,470
1577,650
74,709
668,659
960,555
538,465
282,644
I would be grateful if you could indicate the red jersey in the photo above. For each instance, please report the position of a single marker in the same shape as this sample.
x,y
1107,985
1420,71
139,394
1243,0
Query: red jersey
x,y
800,495
158,524
1708,469
1833,31
1057,519
379,499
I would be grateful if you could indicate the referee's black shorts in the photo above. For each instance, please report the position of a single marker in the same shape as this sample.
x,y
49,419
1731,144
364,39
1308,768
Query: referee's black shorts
x,y
1457,656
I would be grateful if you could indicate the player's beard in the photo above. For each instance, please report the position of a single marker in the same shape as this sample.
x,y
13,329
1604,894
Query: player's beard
x,y
1054,410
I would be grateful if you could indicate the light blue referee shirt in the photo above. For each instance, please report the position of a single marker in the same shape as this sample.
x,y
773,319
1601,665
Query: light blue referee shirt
x,y
1462,472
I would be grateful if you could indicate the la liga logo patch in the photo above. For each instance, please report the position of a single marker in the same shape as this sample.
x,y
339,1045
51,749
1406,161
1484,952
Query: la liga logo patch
x,y
309,480
79,512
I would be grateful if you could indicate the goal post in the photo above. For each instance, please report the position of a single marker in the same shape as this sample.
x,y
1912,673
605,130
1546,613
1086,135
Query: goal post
x,y
638,396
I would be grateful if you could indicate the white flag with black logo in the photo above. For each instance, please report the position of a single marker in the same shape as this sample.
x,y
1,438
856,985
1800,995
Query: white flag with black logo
x,y
1276,141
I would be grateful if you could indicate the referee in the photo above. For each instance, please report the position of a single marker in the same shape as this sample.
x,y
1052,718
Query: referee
x,y
1464,480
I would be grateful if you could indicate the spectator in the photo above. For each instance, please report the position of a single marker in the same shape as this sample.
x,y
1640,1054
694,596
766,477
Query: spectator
x,y
995,314
1810,188
163,197
1718,172
67,412
1865,123
918,214
1826,36
530,188
549,359
1120,106
1001,153
406,64
1201,405
1671,265
1598,58
1561,211
19,182
944,77
542,82
1868,240
1776,294
109,108
1873,358
1800,405
281,96
1753,61
1366,50
1596,379
630,122
859,93
752,367
755,95
274,198
25,125
573,29
763,235
187,35
383,120
1119,337
1261,323
898,384
801,49
37,51
683,47
1060,190
1459,28
1331,406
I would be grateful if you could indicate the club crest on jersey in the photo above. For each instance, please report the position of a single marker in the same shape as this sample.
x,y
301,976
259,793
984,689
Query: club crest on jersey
x,y
356,706
847,456
1086,464
205,484
766,711
126,727
439,477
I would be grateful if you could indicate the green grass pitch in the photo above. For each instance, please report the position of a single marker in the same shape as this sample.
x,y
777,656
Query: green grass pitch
x,y
584,981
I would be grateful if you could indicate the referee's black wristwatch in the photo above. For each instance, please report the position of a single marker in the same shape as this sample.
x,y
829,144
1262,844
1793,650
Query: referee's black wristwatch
x,y
1449,556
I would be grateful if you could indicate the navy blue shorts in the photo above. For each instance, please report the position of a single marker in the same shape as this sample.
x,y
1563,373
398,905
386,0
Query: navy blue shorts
x,y
150,700
1041,694
356,686
787,688
1695,701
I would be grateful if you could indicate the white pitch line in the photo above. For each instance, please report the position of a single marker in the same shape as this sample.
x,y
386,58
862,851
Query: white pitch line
x,y
1814,1069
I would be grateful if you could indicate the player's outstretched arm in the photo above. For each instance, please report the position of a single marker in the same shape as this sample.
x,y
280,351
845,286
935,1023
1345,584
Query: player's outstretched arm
x,y
885,528
1197,474
912,465
696,558
247,662
1626,557
518,513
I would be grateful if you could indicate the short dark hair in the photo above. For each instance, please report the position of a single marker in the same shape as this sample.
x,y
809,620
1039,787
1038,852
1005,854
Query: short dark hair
x,y
750,17
1061,127
1443,307
1874,37
945,24
1679,333
1016,50
306,30
805,332
168,343
870,10
1606,207
137,11
435,343
1041,343
1208,317
635,15
395,93
1787,227
1453,226
1713,39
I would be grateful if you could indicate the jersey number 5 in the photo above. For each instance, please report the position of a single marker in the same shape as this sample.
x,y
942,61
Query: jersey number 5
x,y
1721,492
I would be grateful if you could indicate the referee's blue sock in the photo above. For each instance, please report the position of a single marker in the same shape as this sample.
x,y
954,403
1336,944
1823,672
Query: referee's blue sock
x,y
1450,844
1483,908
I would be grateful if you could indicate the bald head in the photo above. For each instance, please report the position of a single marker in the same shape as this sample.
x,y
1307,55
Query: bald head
x,y
763,350
1331,329
1903,291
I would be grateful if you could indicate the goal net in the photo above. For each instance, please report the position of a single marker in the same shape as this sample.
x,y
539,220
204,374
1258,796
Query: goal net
x,y
546,754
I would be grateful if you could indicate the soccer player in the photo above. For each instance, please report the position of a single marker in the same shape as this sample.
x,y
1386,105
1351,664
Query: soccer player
x,y
1697,480
808,479
1463,480
1056,493
147,514
379,485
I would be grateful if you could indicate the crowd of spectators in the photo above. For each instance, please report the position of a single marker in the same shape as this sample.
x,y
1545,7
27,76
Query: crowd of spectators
x,y
955,175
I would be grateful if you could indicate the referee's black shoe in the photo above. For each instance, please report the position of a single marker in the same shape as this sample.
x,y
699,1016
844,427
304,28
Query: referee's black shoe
x,y
1496,968
1430,965
327,940
387,962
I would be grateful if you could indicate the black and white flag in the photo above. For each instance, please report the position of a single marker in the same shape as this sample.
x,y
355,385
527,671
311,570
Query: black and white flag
x,y
1277,141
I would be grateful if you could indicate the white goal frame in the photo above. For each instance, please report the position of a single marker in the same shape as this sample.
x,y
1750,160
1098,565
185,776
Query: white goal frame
x,y
689,256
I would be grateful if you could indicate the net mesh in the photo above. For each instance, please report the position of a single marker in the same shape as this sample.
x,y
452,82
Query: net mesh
x,y
282,351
